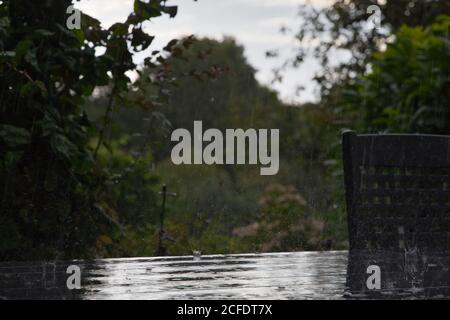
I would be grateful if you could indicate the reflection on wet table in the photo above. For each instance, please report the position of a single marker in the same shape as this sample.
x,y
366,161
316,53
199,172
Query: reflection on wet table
x,y
253,276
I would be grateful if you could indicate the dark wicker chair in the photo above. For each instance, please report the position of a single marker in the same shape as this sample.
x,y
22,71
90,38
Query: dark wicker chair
x,y
398,205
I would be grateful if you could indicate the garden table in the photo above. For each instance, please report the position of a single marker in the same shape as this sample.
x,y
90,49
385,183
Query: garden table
x,y
297,275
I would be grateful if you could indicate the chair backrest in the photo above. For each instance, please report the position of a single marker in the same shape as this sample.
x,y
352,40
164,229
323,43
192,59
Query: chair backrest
x,y
397,192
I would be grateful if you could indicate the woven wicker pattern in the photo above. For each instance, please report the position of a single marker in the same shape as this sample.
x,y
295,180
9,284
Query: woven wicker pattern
x,y
403,208
398,204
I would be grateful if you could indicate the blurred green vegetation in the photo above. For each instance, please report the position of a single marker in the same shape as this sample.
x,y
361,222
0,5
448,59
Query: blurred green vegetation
x,y
56,181
231,209
407,89
84,151
225,209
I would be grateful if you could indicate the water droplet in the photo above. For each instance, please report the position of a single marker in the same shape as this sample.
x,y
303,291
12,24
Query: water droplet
x,y
197,255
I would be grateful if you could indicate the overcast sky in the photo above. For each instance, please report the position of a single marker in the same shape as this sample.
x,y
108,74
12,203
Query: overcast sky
x,y
255,24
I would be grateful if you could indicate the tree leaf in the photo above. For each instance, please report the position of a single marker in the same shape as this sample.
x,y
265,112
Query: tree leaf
x,y
14,136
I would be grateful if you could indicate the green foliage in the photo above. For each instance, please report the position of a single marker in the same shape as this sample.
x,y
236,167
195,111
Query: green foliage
x,y
407,89
285,224
341,29
83,150
53,195
217,207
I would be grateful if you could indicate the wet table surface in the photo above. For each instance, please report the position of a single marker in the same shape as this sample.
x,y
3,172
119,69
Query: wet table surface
x,y
301,275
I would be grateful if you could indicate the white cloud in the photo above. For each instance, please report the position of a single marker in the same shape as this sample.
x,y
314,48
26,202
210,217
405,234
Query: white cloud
x,y
289,3
277,22
107,11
